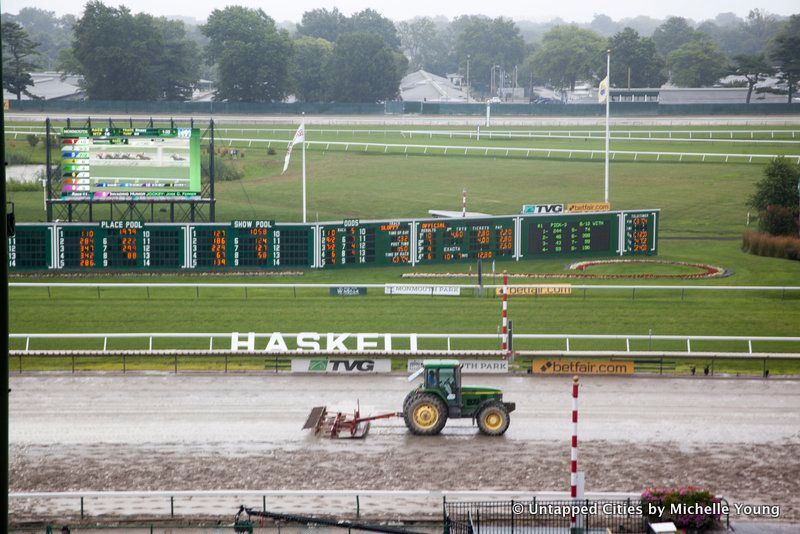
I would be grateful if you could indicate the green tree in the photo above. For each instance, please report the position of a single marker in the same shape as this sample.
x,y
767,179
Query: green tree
x,y
777,193
426,46
131,57
488,42
370,21
672,34
44,27
636,55
364,69
697,64
251,54
328,25
754,68
309,68
18,53
569,54
785,53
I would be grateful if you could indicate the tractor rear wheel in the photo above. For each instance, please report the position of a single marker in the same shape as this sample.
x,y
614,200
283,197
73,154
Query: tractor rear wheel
x,y
425,414
493,419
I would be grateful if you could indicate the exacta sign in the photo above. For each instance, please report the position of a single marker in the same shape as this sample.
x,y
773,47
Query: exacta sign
x,y
313,341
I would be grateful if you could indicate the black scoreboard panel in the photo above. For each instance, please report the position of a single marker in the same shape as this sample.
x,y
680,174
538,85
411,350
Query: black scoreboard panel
x,y
570,235
453,240
255,245
30,248
251,245
640,228
120,245
365,243
293,246
210,246
163,246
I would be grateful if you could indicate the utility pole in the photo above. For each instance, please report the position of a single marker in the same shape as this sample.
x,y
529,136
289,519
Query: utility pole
x,y
467,78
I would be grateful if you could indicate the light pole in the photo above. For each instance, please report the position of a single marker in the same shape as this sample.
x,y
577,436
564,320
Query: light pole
x,y
467,78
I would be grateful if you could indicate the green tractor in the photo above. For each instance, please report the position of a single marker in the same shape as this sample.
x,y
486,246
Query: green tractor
x,y
441,396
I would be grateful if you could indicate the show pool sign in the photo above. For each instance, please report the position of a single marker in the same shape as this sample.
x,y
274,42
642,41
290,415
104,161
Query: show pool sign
x,y
341,365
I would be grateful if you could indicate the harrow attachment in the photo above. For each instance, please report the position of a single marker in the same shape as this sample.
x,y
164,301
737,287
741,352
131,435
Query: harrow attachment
x,y
341,425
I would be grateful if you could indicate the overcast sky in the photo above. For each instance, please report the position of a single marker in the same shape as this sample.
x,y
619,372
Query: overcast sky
x,y
569,10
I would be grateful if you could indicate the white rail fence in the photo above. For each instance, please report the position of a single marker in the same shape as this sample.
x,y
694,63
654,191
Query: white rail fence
x,y
520,152
567,340
148,286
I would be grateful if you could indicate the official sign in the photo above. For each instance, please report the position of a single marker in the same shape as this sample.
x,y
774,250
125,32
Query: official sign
x,y
409,289
581,367
542,209
348,291
471,366
341,366
588,207
514,291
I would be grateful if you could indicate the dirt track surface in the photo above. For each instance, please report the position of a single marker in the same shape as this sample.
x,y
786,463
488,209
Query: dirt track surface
x,y
738,437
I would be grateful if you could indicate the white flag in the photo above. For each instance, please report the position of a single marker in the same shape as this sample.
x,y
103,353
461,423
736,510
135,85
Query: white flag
x,y
299,137
602,91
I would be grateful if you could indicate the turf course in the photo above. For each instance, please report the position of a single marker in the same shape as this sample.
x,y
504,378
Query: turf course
x,y
704,211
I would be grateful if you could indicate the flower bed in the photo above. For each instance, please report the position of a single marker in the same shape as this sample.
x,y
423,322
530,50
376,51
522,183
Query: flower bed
x,y
689,508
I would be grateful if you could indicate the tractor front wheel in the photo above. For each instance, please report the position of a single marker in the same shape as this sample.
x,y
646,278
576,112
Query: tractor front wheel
x,y
493,419
425,414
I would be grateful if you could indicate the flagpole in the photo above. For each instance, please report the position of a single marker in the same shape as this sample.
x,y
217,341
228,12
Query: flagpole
x,y
304,180
304,170
608,108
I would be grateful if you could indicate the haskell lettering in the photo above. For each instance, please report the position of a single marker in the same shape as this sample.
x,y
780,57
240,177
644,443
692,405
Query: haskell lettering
x,y
311,341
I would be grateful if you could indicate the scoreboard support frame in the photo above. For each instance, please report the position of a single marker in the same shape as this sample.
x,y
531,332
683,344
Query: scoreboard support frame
x,y
82,210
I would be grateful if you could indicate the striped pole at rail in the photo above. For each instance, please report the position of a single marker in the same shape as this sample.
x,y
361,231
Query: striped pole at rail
x,y
504,345
463,202
573,464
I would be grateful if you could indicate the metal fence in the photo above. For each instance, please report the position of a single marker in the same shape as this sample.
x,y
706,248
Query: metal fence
x,y
542,517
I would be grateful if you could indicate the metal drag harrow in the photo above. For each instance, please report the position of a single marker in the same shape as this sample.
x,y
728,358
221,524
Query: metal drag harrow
x,y
341,425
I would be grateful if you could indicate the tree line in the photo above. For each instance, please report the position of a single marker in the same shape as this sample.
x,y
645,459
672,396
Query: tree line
x,y
362,57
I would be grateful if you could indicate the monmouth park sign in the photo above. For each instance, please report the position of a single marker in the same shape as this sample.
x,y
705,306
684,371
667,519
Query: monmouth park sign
x,y
313,341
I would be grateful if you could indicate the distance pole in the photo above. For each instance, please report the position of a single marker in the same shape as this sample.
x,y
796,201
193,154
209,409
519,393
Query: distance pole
x,y
573,464
463,202
608,114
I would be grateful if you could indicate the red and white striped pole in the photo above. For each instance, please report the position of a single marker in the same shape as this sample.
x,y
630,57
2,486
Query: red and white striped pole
x,y
504,345
463,202
573,464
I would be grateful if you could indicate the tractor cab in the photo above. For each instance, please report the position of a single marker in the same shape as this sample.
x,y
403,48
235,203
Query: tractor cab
x,y
442,395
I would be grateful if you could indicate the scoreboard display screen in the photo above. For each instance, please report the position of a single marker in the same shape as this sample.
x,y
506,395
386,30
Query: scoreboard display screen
x,y
453,240
640,230
251,245
357,243
265,244
30,248
594,233
129,163
120,245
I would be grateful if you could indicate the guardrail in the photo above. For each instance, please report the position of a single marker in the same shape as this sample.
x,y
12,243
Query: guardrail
x,y
435,498
475,287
